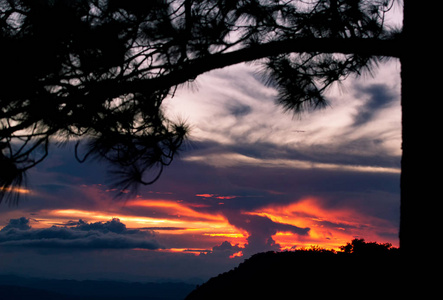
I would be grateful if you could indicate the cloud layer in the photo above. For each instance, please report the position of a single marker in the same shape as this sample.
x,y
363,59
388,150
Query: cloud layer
x,y
76,235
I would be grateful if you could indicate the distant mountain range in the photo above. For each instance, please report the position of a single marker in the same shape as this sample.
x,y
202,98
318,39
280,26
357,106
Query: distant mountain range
x,y
20,288
300,274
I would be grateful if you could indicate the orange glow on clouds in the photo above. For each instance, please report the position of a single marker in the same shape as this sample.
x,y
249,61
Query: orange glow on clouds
x,y
17,190
174,208
215,196
205,195
229,235
236,254
130,221
329,227
174,215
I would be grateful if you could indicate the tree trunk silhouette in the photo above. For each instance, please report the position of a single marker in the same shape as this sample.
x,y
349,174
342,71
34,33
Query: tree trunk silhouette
x,y
407,153
418,128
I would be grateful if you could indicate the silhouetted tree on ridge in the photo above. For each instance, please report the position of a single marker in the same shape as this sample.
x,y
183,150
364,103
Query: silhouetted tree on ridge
x,y
362,268
97,71
359,246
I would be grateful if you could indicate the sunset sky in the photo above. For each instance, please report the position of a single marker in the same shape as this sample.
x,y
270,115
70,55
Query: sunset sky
x,y
250,178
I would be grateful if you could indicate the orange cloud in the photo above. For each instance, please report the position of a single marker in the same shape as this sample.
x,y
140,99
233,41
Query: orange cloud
x,y
329,228
226,197
17,190
215,196
172,219
174,208
236,254
205,195
229,235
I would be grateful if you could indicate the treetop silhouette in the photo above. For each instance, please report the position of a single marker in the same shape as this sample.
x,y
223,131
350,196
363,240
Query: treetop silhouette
x,y
369,268
96,71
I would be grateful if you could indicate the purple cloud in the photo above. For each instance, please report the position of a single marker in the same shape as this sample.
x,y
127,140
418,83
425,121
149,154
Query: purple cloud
x,y
260,230
78,235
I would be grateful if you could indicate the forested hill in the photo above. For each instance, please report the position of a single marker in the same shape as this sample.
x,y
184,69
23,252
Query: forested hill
x,y
308,273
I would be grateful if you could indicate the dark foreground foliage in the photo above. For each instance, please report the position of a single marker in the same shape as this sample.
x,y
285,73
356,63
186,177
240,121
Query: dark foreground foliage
x,y
368,270
97,71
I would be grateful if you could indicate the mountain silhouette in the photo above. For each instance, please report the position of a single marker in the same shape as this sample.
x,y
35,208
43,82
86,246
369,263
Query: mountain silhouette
x,y
10,292
21,288
304,273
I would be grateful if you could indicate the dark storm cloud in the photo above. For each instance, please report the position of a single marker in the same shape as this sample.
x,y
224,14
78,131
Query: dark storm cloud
x,y
80,235
20,223
226,246
377,96
114,226
262,224
260,230
225,250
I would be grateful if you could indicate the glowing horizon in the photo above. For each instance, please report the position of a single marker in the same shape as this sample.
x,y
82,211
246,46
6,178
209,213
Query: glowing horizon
x,y
328,228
